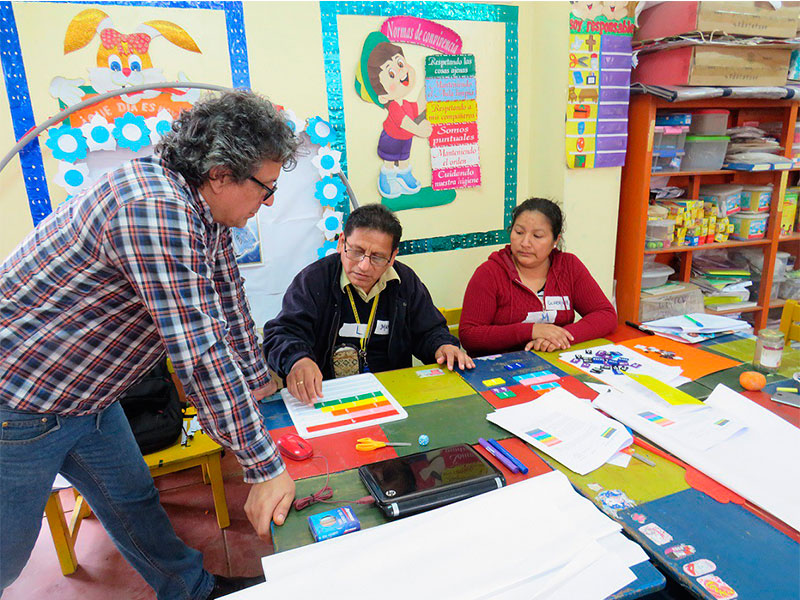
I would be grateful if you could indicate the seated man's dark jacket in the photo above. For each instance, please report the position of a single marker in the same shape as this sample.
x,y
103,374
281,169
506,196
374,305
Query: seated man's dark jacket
x,y
309,319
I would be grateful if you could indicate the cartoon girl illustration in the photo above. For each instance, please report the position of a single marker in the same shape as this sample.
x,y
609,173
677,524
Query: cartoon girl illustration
x,y
385,78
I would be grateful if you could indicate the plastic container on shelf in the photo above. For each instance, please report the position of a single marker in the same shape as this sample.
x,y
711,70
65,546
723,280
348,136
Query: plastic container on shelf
x,y
654,211
660,229
673,137
782,262
756,198
704,153
727,198
790,287
658,131
749,225
657,243
667,160
710,121
655,274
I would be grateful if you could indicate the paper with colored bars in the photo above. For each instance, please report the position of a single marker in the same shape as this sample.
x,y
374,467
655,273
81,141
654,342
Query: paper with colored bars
x,y
759,462
566,428
347,403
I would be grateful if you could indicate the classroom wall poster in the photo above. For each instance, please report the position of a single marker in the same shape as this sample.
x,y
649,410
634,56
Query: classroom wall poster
x,y
404,82
599,83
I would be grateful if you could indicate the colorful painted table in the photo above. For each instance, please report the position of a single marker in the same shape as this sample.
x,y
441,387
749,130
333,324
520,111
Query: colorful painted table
x,y
449,411
713,549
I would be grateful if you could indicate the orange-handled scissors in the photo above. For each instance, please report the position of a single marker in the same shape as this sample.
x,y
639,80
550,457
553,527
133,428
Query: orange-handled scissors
x,y
366,444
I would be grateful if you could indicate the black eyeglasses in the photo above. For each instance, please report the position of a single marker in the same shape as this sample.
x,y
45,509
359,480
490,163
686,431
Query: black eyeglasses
x,y
268,191
357,256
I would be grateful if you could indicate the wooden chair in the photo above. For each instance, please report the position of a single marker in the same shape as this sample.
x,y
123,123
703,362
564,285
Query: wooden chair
x,y
790,321
452,316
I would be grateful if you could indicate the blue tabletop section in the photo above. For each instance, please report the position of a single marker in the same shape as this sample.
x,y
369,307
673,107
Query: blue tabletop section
x,y
750,555
506,367
648,581
274,412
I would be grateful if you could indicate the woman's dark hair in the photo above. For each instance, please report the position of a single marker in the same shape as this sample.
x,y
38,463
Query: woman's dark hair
x,y
378,218
548,208
237,130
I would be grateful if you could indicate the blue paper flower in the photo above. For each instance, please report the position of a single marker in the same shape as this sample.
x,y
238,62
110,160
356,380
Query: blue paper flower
x,y
327,161
98,134
67,143
131,132
72,177
329,191
296,125
159,125
331,223
327,248
320,131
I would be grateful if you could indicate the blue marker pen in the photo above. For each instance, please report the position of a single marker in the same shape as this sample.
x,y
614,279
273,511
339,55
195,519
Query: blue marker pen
x,y
505,461
496,445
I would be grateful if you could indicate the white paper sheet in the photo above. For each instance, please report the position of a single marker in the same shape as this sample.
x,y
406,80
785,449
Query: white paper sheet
x,y
759,463
547,536
566,428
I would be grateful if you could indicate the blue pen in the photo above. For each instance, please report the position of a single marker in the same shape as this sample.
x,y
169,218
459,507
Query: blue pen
x,y
506,462
522,468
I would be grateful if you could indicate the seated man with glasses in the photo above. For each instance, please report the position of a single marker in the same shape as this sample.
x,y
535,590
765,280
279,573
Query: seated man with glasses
x,y
356,311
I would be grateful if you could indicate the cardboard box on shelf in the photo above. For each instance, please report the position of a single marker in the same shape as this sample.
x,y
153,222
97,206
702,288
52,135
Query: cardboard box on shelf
x,y
711,64
680,300
734,18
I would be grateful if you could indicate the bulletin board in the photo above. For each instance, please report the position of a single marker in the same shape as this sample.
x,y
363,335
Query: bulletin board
x,y
27,80
479,212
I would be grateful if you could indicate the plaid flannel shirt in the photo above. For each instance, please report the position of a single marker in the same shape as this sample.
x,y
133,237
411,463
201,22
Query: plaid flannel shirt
x,y
112,279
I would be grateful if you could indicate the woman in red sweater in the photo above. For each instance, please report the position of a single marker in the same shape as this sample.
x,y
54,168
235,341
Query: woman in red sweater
x,y
526,295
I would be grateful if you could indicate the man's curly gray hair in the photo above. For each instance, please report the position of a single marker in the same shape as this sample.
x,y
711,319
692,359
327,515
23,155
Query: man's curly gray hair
x,y
237,130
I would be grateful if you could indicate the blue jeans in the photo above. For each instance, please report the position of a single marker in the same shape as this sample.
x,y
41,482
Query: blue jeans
x,y
99,456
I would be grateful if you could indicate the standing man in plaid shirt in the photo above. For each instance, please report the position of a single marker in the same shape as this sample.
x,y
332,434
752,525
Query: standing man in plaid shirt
x,y
138,266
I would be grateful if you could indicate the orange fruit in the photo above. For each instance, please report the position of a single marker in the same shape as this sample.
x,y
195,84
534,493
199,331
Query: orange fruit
x,y
752,381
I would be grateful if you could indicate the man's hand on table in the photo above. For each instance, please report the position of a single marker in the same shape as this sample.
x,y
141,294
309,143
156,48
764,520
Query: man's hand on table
x,y
269,501
450,354
304,381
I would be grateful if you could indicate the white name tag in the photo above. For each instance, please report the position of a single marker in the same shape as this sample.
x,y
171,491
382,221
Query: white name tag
x,y
381,327
544,316
556,303
353,330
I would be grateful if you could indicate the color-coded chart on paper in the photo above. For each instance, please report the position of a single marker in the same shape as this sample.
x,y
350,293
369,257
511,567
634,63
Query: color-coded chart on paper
x,y
657,419
545,438
347,403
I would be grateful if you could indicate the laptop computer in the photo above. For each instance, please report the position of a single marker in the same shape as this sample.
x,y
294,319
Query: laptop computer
x,y
407,485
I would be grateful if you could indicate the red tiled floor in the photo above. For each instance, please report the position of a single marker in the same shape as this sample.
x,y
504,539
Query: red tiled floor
x,y
103,573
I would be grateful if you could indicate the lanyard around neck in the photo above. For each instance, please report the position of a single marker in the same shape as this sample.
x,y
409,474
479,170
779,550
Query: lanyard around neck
x,y
371,320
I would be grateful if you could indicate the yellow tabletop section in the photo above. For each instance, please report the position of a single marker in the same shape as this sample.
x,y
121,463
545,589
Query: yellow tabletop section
x,y
409,386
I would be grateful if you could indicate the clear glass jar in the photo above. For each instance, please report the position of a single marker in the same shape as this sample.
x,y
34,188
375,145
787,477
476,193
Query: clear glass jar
x,y
769,348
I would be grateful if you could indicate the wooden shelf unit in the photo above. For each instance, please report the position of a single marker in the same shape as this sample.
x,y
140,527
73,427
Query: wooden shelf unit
x,y
635,195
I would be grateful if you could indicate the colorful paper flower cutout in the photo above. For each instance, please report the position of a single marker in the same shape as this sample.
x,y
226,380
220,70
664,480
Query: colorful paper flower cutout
x,y
97,133
131,132
320,131
67,143
328,247
331,223
295,124
327,161
159,125
329,191
72,178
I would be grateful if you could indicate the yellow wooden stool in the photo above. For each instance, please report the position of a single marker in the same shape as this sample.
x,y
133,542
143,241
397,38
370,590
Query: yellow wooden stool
x,y
64,534
201,451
